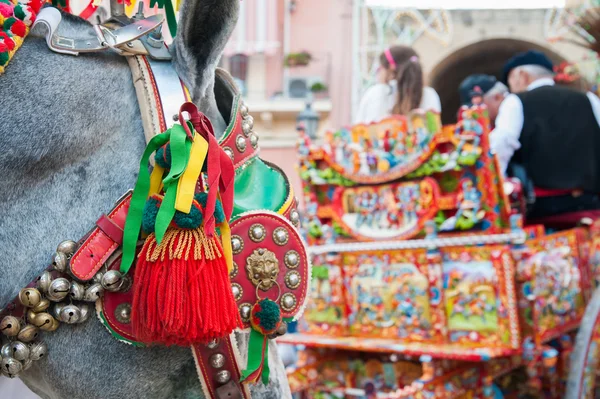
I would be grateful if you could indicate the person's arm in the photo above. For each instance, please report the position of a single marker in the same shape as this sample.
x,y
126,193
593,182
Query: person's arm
x,y
504,139
595,101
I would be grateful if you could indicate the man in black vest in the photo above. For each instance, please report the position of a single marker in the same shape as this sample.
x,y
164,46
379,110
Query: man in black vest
x,y
553,132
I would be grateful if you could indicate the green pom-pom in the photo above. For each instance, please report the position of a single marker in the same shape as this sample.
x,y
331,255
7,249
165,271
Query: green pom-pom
x,y
6,2
8,23
149,215
4,57
219,212
19,12
191,220
163,156
266,316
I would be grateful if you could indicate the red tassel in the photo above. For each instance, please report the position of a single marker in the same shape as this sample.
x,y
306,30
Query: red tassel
x,y
182,294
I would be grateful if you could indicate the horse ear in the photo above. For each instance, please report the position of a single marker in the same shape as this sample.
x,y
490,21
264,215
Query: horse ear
x,y
204,29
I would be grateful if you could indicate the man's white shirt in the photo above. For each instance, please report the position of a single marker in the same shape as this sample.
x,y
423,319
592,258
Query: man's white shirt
x,y
504,139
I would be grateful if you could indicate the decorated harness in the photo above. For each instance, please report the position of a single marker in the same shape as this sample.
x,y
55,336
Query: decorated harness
x,y
190,255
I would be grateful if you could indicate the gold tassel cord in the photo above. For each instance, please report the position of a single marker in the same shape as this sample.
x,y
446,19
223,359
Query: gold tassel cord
x,y
180,244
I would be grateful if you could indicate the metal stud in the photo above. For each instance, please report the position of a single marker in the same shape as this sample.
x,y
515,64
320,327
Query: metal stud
x,y
282,329
42,306
237,291
59,289
292,259
254,140
123,313
223,377
288,302
67,247
234,271
217,360
84,308
10,326
70,314
29,333
112,280
60,261
243,109
229,152
295,217
237,244
38,350
240,143
213,344
249,120
257,232
280,236
292,279
19,350
29,297
93,292
77,291
245,309
44,282
11,367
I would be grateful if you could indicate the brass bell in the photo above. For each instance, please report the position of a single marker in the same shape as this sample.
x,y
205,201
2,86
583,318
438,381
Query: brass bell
x,y
77,291
10,367
42,306
6,350
67,247
70,314
93,292
19,350
112,280
53,327
29,297
38,350
43,321
44,281
28,333
10,326
59,289
84,308
60,262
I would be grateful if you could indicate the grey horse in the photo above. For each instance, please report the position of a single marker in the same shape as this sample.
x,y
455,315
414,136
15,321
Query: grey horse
x,y
72,137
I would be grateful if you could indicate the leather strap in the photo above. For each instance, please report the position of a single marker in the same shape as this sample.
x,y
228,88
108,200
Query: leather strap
x,y
111,229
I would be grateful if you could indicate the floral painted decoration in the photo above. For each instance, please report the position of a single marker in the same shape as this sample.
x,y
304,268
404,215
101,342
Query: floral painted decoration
x,y
16,17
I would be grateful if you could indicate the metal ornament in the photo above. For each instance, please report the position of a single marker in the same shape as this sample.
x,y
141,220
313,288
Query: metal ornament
x,y
234,271
77,291
257,232
10,326
29,297
123,313
223,377
253,140
19,350
295,217
245,309
67,247
293,279
43,321
53,327
29,333
60,261
70,314
237,244
288,302
229,152
292,259
56,311
98,277
217,360
38,350
84,308
240,143
11,367
262,267
6,350
280,236
59,289
93,292
112,280
213,344
44,281
237,291
27,363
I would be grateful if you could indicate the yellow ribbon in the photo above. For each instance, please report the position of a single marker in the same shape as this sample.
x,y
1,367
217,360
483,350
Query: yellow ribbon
x,y
226,243
186,187
156,179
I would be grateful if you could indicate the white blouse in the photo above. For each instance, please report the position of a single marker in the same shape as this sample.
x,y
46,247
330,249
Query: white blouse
x,y
378,102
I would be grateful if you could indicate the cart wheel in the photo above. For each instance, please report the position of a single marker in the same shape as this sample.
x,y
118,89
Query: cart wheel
x,y
585,358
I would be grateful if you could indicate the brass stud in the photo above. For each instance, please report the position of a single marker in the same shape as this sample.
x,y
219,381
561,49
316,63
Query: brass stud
x,y
288,302
245,309
237,290
280,236
234,271
123,313
237,244
217,360
240,143
292,259
293,279
257,232
229,152
254,140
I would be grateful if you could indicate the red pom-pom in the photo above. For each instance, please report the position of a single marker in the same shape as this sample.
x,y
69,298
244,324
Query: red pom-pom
x,y
7,40
6,10
4,54
35,5
19,28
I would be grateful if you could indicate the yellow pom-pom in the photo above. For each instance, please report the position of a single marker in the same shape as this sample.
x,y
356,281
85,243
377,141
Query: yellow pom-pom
x,y
383,165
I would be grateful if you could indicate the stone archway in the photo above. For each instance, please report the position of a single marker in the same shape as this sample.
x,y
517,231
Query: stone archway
x,y
486,56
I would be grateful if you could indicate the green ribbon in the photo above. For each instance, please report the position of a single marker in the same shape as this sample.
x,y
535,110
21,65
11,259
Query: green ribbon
x,y
167,5
59,3
133,223
180,153
255,356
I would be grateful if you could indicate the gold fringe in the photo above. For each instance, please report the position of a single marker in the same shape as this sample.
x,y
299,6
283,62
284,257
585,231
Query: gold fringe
x,y
180,244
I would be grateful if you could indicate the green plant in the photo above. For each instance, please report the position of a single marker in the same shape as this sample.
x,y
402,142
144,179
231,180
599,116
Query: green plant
x,y
298,59
318,87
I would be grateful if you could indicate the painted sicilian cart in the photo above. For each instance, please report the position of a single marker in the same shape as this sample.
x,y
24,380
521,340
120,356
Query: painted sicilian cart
x,y
426,283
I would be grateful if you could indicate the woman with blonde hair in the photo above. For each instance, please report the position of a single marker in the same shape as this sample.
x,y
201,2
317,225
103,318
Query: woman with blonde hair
x,y
400,87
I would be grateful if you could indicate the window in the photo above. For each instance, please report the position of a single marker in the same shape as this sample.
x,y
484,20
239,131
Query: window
x,y
238,66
